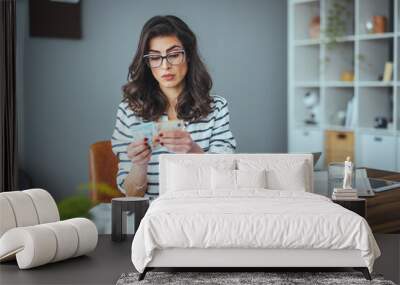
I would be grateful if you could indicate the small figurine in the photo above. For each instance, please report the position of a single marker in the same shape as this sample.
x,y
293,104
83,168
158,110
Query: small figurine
x,y
312,104
348,173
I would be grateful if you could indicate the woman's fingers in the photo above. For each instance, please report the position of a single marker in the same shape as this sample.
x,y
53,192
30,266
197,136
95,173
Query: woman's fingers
x,y
184,140
184,148
178,141
144,156
173,134
136,149
176,137
136,144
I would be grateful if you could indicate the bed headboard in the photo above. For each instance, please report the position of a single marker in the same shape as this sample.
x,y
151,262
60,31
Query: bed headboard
x,y
210,159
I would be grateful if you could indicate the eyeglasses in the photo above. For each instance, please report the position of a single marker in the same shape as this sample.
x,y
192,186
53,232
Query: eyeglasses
x,y
174,58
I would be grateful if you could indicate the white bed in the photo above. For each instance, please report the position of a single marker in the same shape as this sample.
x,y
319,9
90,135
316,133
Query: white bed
x,y
198,226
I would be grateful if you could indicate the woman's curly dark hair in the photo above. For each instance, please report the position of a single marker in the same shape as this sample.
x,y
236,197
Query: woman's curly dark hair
x,y
142,91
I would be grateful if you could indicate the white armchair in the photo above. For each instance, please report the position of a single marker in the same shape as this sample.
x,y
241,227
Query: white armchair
x,y
31,230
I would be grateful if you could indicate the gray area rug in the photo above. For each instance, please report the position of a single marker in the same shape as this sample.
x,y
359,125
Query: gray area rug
x,y
230,278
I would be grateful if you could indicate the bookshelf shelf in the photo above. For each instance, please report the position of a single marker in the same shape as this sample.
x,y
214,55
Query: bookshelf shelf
x,y
338,84
304,1
376,36
338,128
348,38
307,42
318,41
377,132
375,84
347,74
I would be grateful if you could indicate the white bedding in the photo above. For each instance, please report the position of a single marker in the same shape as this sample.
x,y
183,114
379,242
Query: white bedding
x,y
251,218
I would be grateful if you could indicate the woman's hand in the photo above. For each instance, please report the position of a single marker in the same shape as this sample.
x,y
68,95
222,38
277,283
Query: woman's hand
x,y
139,152
178,141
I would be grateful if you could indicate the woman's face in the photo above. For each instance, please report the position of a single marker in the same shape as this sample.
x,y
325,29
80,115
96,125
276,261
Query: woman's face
x,y
168,74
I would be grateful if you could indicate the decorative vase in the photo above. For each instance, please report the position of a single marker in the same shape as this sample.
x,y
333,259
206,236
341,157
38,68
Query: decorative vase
x,y
379,24
347,76
314,29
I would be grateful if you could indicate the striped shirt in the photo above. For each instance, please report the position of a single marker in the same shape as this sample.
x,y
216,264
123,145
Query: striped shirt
x,y
212,134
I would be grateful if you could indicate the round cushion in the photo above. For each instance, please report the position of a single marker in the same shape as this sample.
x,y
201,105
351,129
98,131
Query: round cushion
x,y
45,205
23,208
7,220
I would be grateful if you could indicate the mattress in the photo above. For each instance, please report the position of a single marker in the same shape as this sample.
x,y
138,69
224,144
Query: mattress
x,y
250,219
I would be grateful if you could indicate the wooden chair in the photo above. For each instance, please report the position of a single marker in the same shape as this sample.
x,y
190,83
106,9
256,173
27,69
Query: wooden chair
x,y
103,167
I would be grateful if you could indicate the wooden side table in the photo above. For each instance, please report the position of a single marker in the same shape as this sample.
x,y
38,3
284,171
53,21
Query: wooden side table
x,y
383,210
358,206
119,207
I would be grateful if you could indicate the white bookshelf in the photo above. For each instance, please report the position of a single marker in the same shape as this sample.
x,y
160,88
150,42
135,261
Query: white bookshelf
x,y
316,65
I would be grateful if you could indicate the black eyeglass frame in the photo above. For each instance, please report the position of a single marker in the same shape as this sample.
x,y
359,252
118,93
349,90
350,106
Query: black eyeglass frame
x,y
146,56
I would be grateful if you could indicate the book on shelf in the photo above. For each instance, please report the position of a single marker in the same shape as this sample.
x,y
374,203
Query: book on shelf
x,y
342,190
344,194
334,197
387,74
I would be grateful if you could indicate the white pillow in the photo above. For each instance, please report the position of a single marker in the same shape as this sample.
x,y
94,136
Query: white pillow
x,y
282,174
295,180
188,175
223,179
251,178
236,179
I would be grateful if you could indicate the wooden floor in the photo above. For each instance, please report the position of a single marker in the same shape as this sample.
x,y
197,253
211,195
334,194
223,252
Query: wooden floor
x,y
106,264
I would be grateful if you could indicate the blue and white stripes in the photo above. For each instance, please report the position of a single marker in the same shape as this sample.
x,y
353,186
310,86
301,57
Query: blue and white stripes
x,y
212,134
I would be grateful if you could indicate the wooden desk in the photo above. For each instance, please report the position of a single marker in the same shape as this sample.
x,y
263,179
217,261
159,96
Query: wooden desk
x,y
383,210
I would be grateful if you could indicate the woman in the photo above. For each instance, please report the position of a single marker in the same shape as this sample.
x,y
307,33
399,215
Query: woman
x,y
167,81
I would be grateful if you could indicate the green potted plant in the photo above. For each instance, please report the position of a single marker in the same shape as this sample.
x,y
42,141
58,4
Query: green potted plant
x,y
338,15
80,204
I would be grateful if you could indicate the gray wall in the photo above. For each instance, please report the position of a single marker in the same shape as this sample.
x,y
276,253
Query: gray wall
x,y
70,89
